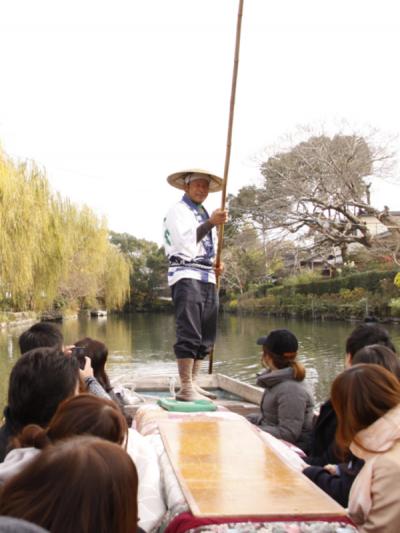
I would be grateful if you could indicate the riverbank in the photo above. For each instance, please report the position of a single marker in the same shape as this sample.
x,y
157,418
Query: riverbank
x,y
16,319
345,298
311,308
11,319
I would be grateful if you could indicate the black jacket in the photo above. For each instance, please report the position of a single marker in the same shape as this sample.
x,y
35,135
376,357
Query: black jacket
x,y
337,486
323,447
7,430
5,434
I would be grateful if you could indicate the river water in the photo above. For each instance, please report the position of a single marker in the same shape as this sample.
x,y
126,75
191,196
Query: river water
x,y
142,344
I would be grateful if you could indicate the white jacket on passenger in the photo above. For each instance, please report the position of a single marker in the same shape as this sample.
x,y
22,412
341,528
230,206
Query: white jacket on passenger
x,y
15,461
151,506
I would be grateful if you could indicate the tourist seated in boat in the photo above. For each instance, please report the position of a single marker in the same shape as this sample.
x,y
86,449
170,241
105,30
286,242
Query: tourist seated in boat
x,y
46,334
86,414
83,484
83,414
41,335
323,448
287,405
336,480
97,352
39,381
366,399
377,354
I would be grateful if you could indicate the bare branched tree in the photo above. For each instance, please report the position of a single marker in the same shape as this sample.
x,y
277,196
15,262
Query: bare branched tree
x,y
320,188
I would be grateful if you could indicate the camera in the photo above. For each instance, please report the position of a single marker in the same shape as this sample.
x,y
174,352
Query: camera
x,y
79,353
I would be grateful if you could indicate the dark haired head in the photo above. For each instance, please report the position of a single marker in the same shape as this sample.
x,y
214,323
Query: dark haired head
x,y
366,334
39,381
281,346
371,319
83,484
378,355
84,414
97,352
41,335
360,395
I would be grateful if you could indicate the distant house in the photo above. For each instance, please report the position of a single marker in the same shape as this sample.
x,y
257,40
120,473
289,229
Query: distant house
x,y
317,263
375,227
295,261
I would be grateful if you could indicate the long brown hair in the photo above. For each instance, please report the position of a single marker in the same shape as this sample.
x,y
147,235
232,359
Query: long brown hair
x,y
97,352
84,414
360,395
284,361
81,484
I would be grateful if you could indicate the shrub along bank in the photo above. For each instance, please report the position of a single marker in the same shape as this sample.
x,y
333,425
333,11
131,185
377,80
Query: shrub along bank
x,y
353,296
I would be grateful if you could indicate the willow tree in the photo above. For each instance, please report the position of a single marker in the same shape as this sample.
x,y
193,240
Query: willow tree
x,y
85,248
46,250
32,256
96,271
23,213
50,249
116,279
15,271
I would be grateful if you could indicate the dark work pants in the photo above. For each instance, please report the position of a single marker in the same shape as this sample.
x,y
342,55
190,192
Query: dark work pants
x,y
196,310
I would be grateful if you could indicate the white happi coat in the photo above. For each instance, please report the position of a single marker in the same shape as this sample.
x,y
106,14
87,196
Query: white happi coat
x,y
180,236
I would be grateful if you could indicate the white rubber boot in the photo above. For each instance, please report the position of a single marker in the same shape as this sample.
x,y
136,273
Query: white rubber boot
x,y
195,374
187,392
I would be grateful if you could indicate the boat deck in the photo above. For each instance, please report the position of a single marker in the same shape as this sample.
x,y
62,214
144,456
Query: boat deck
x,y
225,469
239,397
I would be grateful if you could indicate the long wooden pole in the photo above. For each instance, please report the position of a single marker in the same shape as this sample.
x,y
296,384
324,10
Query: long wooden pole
x,y
228,149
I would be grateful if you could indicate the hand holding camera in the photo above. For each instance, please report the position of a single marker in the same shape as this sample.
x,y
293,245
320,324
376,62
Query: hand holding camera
x,y
79,353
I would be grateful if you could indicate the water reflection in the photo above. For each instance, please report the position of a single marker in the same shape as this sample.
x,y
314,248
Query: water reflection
x,y
142,344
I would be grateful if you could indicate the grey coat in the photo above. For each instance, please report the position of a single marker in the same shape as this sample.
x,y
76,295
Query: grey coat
x,y
286,407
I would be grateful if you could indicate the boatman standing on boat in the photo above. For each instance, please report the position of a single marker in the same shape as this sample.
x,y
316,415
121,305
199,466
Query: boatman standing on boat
x,y
190,244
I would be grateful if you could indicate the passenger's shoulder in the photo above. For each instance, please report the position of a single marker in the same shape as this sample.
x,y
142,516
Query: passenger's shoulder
x,y
301,390
389,461
297,387
326,409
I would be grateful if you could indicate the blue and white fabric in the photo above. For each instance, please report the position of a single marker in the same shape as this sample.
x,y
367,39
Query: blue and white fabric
x,y
188,258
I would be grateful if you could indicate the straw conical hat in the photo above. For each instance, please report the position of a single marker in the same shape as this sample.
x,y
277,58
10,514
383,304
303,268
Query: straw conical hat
x,y
178,179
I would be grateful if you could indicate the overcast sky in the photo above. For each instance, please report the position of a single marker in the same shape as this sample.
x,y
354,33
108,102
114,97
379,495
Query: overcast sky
x,y
112,96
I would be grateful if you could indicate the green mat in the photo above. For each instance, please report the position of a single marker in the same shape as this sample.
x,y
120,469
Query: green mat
x,y
187,407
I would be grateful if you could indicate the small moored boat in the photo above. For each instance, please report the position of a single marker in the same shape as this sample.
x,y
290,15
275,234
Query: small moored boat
x,y
98,313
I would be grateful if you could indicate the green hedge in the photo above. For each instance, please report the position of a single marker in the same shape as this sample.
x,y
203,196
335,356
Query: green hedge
x,y
356,303
371,281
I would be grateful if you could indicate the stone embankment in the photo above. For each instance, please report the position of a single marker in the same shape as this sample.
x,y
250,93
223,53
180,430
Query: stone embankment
x,y
10,319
